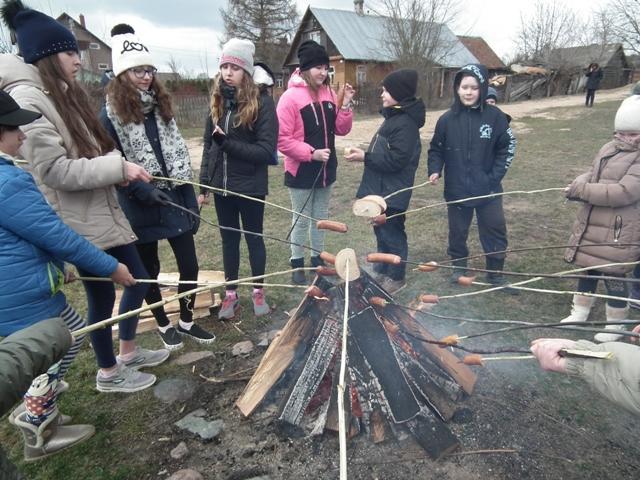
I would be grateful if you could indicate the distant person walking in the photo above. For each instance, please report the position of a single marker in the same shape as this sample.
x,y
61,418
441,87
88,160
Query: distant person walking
x,y
594,76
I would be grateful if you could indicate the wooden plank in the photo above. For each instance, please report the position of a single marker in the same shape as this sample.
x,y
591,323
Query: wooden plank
x,y
374,343
432,435
282,351
315,367
149,323
442,357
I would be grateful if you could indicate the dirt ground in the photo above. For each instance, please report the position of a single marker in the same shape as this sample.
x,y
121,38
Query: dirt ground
x,y
507,428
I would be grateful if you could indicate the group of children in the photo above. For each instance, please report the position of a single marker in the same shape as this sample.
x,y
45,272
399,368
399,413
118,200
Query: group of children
x,y
102,191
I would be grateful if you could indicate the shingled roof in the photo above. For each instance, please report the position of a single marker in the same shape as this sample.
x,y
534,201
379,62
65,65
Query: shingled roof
x,y
483,52
365,38
583,56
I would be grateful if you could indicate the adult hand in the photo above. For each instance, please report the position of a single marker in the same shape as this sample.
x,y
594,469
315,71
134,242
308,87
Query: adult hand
x,y
433,178
195,220
122,276
203,199
356,155
136,172
158,197
546,350
321,154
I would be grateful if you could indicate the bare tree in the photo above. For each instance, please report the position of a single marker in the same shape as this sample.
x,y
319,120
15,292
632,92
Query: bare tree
x,y
417,30
552,25
174,66
267,23
625,16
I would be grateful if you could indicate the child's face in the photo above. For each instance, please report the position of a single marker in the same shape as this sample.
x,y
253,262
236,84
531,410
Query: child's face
x,y
231,74
387,99
469,91
11,141
70,64
319,74
491,101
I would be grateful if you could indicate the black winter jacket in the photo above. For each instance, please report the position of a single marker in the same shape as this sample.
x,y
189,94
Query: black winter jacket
x,y
394,153
241,163
152,222
593,79
474,145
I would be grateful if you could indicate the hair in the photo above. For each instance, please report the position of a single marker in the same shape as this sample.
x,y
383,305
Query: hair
x,y
72,103
124,97
7,128
306,76
247,96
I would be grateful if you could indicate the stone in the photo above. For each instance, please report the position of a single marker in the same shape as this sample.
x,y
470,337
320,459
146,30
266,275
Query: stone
x,y
196,423
266,338
192,357
180,451
242,348
174,390
186,474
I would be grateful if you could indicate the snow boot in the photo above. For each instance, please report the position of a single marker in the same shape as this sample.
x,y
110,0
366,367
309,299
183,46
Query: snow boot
x,y
580,310
613,314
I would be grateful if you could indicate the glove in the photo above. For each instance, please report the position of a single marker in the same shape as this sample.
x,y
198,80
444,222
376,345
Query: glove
x,y
195,220
219,138
158,197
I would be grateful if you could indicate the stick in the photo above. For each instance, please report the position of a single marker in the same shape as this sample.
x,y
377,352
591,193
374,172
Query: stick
x,y
342,428
462,200
110,321
195,282
397,192
229,192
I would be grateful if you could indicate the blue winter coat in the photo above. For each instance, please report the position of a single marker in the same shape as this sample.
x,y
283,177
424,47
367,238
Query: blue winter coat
x,y
151,222
34,244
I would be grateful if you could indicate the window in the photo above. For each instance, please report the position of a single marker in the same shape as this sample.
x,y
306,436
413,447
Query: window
x,y
103,66
315,36
94,46
332,74
279,83
361,74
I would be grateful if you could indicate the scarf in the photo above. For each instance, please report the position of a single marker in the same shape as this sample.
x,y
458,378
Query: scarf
x,y
137,148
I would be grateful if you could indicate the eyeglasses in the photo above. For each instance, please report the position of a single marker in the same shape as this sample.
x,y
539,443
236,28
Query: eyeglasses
x,y
140,72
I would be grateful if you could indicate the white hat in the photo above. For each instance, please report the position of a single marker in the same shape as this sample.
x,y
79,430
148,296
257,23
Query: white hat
x,y
238,51
628,115
127,51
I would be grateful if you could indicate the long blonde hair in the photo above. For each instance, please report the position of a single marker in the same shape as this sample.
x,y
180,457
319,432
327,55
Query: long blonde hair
x,y
247,96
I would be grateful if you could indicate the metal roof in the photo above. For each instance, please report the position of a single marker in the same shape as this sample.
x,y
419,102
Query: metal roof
x,y
366,37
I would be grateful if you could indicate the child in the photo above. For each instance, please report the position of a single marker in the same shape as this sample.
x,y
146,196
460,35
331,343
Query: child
x,y
75,165
139,117
390,164
474,145
310,118
610,191
240,141
34,244
492,96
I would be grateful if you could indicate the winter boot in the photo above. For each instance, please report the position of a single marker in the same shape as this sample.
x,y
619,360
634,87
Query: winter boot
x,y
460,270
317,261
49,437
613,314
580,310
496,278
299,277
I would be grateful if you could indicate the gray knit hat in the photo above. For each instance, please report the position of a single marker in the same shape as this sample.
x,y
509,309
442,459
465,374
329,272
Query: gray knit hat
x,y
238,51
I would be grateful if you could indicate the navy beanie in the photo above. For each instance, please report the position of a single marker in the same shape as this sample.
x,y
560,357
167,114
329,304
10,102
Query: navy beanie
x,y
311,54
401,84
38,35
492,93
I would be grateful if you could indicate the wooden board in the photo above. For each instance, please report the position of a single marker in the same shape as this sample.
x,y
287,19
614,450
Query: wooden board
x,y
432,435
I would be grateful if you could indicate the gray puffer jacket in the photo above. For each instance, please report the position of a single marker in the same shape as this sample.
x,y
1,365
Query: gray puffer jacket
x,y
611,212
81,190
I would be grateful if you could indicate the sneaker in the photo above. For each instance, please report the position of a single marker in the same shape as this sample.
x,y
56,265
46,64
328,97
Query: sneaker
x,y
145,358
229,307
171,339
260,306
126,380
392,286
197,333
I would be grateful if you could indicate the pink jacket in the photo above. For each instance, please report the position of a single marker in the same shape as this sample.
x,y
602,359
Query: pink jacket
x,y
305,125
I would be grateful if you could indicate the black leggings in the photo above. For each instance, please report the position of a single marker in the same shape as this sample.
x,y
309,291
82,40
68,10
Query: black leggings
x,y
184,250
614,288
591,95
230,210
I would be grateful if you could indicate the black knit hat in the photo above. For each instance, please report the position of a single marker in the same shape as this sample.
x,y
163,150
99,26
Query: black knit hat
x,y
38,34
311,54
401,84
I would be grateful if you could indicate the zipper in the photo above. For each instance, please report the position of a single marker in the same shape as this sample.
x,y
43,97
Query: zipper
x,y
224,156
315,114
617,228
326,143
375,140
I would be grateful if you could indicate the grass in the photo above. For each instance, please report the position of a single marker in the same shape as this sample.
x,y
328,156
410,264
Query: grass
x,y
551,154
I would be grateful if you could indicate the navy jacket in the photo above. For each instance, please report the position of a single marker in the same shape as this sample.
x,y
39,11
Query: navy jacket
x,y
593,79
474,145
394,153
241,163
152,222
34,244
